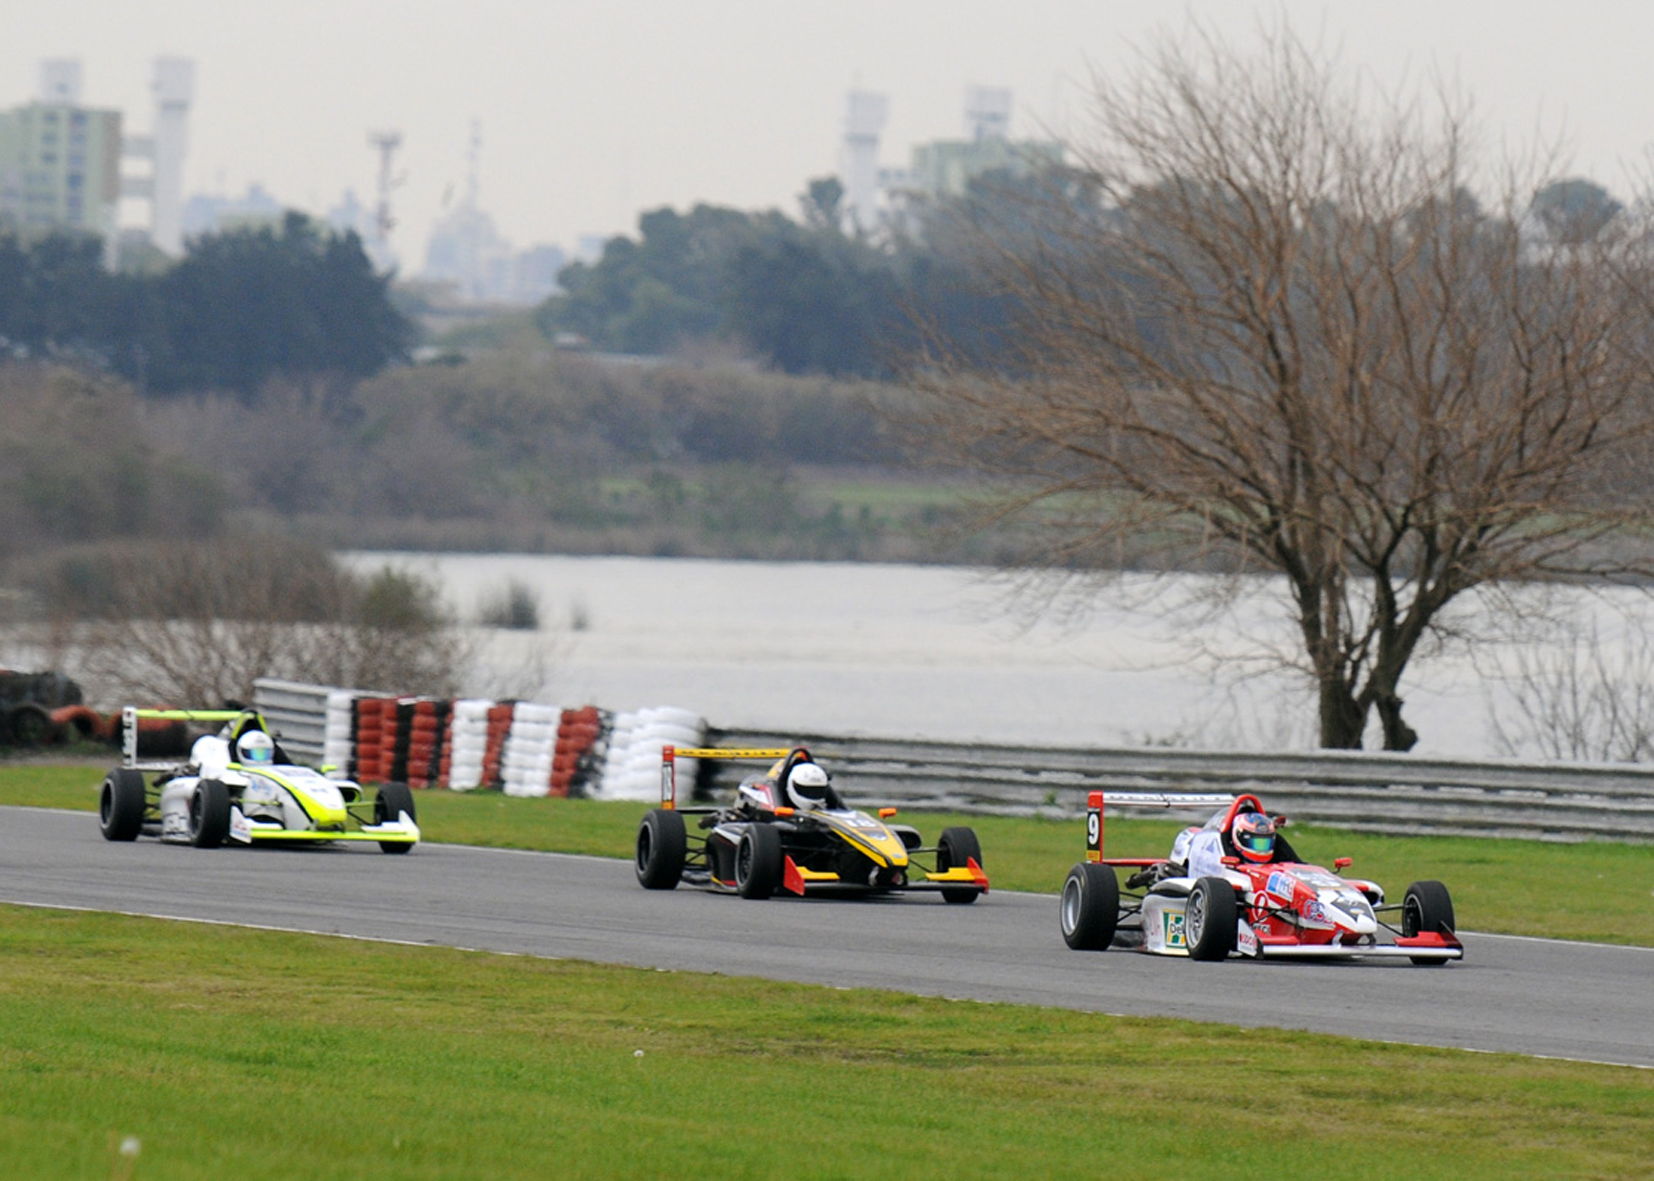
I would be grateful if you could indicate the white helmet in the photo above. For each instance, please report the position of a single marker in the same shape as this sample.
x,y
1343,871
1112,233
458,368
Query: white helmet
x,y
255,747
807,787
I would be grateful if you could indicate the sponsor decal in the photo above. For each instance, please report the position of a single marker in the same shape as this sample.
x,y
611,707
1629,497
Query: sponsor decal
x,y
1246,939
1313,911
1280,885
1173,923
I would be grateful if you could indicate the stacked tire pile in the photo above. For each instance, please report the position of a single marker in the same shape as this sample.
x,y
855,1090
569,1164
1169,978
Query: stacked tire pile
x,y
521,748
631,770
526,768
578,758
426,726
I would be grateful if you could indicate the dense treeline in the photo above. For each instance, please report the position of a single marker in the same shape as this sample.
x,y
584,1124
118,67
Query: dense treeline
x,y
531,451
241,307
801,297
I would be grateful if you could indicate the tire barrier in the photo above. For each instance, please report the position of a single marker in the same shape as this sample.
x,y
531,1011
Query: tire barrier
x,y
467,744
526,766
426,723
499,729
85,724
521,748
631,768
369,733
581,745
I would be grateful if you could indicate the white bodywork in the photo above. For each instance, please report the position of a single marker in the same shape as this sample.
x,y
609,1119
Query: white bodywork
x,y
267,798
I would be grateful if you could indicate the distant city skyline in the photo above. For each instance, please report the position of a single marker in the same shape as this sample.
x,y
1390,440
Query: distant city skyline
x,y
592,114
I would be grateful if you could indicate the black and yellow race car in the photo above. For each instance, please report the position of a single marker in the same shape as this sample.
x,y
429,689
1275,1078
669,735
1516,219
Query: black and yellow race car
x,y
789,831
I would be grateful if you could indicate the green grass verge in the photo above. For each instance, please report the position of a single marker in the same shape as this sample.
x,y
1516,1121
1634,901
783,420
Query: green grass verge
x,y
1600,891
251,1054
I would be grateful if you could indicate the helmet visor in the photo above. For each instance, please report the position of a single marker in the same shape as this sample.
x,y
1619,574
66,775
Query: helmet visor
x,y
1255,842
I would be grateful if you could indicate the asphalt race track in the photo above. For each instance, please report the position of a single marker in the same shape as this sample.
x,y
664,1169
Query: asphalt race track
x,y
1530,996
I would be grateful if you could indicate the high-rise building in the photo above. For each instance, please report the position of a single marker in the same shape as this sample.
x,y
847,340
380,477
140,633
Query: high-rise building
x,y
60,162
60,168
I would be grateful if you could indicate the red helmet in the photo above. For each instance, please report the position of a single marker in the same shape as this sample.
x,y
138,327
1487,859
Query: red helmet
x,y
1254,836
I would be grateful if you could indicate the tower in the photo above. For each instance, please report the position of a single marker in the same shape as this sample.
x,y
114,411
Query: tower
x,y
174,89
865,112
379,248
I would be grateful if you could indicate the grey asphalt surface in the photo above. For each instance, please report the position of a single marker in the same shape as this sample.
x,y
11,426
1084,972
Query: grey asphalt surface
x,y
1569,1000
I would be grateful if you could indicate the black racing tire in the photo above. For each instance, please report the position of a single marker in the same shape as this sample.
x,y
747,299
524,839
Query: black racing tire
x,y
393,800
955,848
209,820
662,848
121,805
1090,910
1427,909
28,724
1209,919
758,862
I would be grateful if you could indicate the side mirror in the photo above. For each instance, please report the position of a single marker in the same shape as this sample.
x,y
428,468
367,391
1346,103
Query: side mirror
x,y
1342,863
1231,861
1280,821
886,813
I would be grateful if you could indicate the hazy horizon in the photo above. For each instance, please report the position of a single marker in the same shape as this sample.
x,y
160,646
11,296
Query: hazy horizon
x,y
591,114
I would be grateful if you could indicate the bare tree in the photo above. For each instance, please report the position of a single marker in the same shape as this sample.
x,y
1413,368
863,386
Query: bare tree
x,y
1583,695
1265,322
196,625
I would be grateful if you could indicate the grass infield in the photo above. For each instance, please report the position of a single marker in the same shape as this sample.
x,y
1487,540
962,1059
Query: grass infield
x,y
220,1052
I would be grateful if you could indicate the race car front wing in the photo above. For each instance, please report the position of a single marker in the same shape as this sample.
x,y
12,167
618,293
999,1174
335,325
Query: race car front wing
x,y
248,831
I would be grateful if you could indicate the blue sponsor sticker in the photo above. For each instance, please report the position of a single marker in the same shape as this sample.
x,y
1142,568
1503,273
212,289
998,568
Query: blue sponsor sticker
x,y
1280,885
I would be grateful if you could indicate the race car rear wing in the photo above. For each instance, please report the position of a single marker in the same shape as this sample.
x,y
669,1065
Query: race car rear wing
x,y
1144,799
669,756
131,716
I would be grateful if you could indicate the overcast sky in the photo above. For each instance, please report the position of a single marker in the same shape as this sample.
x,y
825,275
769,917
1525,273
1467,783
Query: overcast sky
x,y
591,112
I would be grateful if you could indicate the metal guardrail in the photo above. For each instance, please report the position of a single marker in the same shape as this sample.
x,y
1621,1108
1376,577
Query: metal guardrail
x,y
1364,791
297,712
1361,790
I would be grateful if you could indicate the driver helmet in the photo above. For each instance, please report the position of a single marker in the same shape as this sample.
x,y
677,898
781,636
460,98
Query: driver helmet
x,y
255,747
807,787
1254,836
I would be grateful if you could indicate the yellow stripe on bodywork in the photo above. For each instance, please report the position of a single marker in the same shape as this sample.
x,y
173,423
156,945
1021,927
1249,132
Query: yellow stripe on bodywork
x,y
816,875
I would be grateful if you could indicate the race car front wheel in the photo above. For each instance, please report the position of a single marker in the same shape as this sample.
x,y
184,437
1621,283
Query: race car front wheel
x,y
121,804
1090,906
1209,919
1427,909
393,800
662,847
758,862
209,818
956,848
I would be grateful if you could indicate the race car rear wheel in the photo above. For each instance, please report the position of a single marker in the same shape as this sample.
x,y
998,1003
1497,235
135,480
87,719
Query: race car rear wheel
x,y
1427,909
121,804
1090,906
955,849
393,800
662,846
209,819
1209,919
758,862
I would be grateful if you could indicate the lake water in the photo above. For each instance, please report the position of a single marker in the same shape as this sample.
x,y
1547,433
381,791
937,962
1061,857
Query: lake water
x,y
910,651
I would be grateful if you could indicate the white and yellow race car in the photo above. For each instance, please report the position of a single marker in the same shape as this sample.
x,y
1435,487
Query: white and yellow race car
x,y
789,831
239,787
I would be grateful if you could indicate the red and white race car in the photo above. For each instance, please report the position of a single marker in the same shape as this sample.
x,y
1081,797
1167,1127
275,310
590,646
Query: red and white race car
x,y
1280,907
